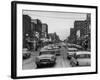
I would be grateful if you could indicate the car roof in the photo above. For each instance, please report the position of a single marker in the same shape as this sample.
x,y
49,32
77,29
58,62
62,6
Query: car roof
x,y
83,52
72,49
44,50
78,46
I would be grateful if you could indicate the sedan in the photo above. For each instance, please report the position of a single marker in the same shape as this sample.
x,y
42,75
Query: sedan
x,y
81,59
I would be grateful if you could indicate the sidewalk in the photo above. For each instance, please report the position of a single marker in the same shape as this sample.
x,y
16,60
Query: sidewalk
x,y
29,64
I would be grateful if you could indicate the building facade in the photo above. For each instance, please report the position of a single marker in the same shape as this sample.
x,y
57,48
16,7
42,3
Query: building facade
x,y
26,28
36,26
44,30
81,33
53,37
32,30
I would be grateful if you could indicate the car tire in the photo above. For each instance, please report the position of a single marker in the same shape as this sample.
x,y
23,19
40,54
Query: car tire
x,y
68,57
37,65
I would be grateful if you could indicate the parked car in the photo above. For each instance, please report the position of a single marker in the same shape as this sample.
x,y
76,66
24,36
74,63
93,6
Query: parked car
x,y
55,47
49,47
26,54
46,57
75,46
81,59
71,53
84,58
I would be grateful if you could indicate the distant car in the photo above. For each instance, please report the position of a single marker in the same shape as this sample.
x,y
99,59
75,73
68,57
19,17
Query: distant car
x,y
49,47
81,59
26,53
56,48
75,46
71,53
46,57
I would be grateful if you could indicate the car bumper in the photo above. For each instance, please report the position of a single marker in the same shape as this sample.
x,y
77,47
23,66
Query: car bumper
x,y
45,63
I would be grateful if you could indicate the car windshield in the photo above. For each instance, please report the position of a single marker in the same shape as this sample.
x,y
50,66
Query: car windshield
x,y
47,52
83,56
75,46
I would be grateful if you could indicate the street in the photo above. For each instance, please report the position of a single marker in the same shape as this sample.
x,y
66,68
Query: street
x,y
61,60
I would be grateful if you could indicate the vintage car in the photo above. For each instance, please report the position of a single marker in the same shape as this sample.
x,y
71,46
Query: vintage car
x,y
48,47
46,57
26,54
82,58
56,49
71,53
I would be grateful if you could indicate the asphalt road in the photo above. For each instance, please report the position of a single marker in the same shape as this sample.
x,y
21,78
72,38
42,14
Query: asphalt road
x,y
61,62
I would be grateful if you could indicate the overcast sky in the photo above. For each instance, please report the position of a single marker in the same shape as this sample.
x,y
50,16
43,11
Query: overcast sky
x,y
59,22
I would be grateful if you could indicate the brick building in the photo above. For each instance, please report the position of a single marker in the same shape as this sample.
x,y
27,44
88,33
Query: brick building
x,y
32,30
44,30
26,28
81,32
36,27
26,25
